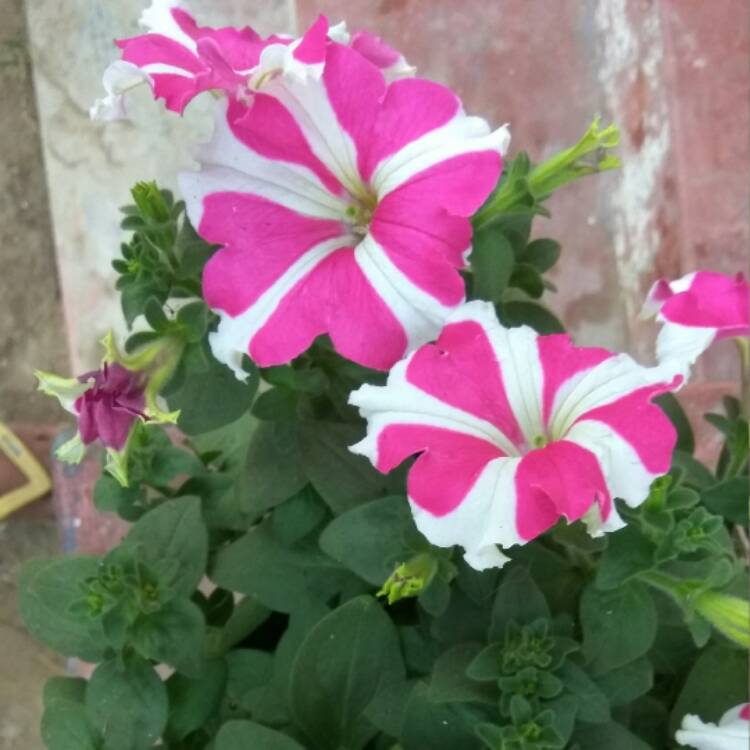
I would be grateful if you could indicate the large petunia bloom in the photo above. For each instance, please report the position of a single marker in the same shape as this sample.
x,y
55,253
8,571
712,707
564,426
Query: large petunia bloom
x,y
696,310
342,204
513,431
180,59
731,733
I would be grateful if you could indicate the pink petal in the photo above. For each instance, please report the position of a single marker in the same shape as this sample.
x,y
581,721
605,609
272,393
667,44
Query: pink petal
x,y
312,47
261,241
461,369
337,298
561,479
268,129
449,463
374,49
642,424
411,108
561,360
355,89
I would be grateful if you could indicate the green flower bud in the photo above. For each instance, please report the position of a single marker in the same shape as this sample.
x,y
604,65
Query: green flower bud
x,y
730,615
409,578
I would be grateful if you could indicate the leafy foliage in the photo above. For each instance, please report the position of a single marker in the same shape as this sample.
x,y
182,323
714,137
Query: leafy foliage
x,y
260,544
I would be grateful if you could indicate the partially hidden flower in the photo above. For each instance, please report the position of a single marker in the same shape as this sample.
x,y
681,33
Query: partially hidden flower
x,y
180,59
513,430
108,402
696,310
730,615
342,205
731,733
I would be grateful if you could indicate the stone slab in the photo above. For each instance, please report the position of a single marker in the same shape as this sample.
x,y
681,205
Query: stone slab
x,y
91,166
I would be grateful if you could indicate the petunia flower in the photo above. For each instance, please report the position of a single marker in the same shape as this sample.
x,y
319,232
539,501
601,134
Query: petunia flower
x,y
110,401
731,733
180,59
695,311
342,205
512,431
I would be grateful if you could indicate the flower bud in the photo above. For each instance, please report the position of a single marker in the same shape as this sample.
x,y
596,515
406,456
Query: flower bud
x,y
730,615
409,578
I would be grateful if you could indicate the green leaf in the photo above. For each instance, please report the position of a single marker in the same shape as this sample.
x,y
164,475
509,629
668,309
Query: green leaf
x,y
341,666
154,314
542,254
248,671
718,680
486,665
110,496
127,704
246,616
258,564
618,626
210,397
175,530
298,516
729,499
593,705
48,591
243,735
526,277
193,318
343,479
135,295
625,684
370,539
276,404
437,726
519,313
192,702
611,736
449,682
628,553
673,409
518,600
64,688
694,473
173,635
274,464
170,462
65,727
492,261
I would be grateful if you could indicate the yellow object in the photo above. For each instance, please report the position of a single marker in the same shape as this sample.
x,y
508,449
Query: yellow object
x,y
37,479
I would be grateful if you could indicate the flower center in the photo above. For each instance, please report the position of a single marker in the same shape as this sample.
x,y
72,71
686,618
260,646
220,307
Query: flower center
x,y
540,441
359,212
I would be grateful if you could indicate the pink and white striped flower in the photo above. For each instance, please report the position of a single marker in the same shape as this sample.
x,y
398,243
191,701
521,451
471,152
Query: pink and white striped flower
x,y
512,431
731,733
180,59
342,204
695,311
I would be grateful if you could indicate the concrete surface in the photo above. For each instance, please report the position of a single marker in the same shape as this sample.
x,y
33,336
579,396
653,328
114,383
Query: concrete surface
x,y
91,166
32,332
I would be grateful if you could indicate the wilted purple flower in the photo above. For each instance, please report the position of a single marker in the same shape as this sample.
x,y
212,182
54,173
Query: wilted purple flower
x,y
108,409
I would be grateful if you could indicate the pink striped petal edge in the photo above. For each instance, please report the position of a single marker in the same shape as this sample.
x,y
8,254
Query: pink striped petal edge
x,y
696,310
180,59
342,204
731,733
513,431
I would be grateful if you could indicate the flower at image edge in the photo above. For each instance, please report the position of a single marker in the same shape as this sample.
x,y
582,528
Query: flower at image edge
x,y
513,430
696,310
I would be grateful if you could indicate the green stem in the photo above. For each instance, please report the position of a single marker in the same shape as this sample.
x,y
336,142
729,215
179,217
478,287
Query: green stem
x,y
743,347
